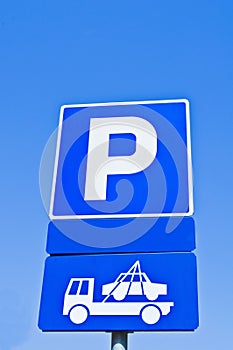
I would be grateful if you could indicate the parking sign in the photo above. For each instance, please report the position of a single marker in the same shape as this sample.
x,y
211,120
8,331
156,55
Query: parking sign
x,y
121,234
123,160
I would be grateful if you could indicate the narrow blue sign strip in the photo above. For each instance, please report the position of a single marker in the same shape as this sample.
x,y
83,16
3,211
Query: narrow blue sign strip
x,y
92,236
138,292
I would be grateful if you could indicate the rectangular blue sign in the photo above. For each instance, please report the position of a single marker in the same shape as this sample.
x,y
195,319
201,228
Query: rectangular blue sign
x,y
121,236
138,292
123,160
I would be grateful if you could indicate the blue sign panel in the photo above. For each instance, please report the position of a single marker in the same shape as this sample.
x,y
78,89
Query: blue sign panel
x,y
123,160
147,292
143,235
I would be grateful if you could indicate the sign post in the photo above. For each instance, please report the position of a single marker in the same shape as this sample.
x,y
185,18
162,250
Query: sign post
x,y
119,341
121,235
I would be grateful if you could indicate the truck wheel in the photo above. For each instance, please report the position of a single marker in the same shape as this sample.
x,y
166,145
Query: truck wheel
x,y
150,314
78,314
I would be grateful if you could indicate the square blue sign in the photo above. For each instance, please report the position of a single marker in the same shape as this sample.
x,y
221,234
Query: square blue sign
x,y
123,160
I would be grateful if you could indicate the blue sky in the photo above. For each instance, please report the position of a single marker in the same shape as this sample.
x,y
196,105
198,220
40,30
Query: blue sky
x,y
55,53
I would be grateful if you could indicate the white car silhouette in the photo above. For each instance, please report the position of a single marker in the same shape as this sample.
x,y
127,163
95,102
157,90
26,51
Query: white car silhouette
x,y
136,285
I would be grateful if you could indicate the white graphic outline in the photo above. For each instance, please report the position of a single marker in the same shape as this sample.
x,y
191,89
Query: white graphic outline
x,y
133,215
79,303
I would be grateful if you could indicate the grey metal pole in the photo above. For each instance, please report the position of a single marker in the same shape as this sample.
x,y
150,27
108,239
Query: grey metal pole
x,y
119,341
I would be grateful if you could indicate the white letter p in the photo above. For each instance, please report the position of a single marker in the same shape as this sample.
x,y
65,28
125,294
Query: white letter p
x,y
100,164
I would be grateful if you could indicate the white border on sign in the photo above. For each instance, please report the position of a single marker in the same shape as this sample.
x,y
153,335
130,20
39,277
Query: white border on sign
x,y
105,216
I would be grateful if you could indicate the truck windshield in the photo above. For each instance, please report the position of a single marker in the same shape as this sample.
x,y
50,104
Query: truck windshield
x,y
74,288
77,289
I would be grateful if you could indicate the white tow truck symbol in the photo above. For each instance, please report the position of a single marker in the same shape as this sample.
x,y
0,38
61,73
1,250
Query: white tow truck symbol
x,y
79,304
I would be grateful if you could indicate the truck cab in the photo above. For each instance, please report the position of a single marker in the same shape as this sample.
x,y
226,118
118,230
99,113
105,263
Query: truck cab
x,y
79,291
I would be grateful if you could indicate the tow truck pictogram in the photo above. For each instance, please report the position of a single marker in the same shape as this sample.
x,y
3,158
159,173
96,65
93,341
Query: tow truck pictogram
x,y
79,304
